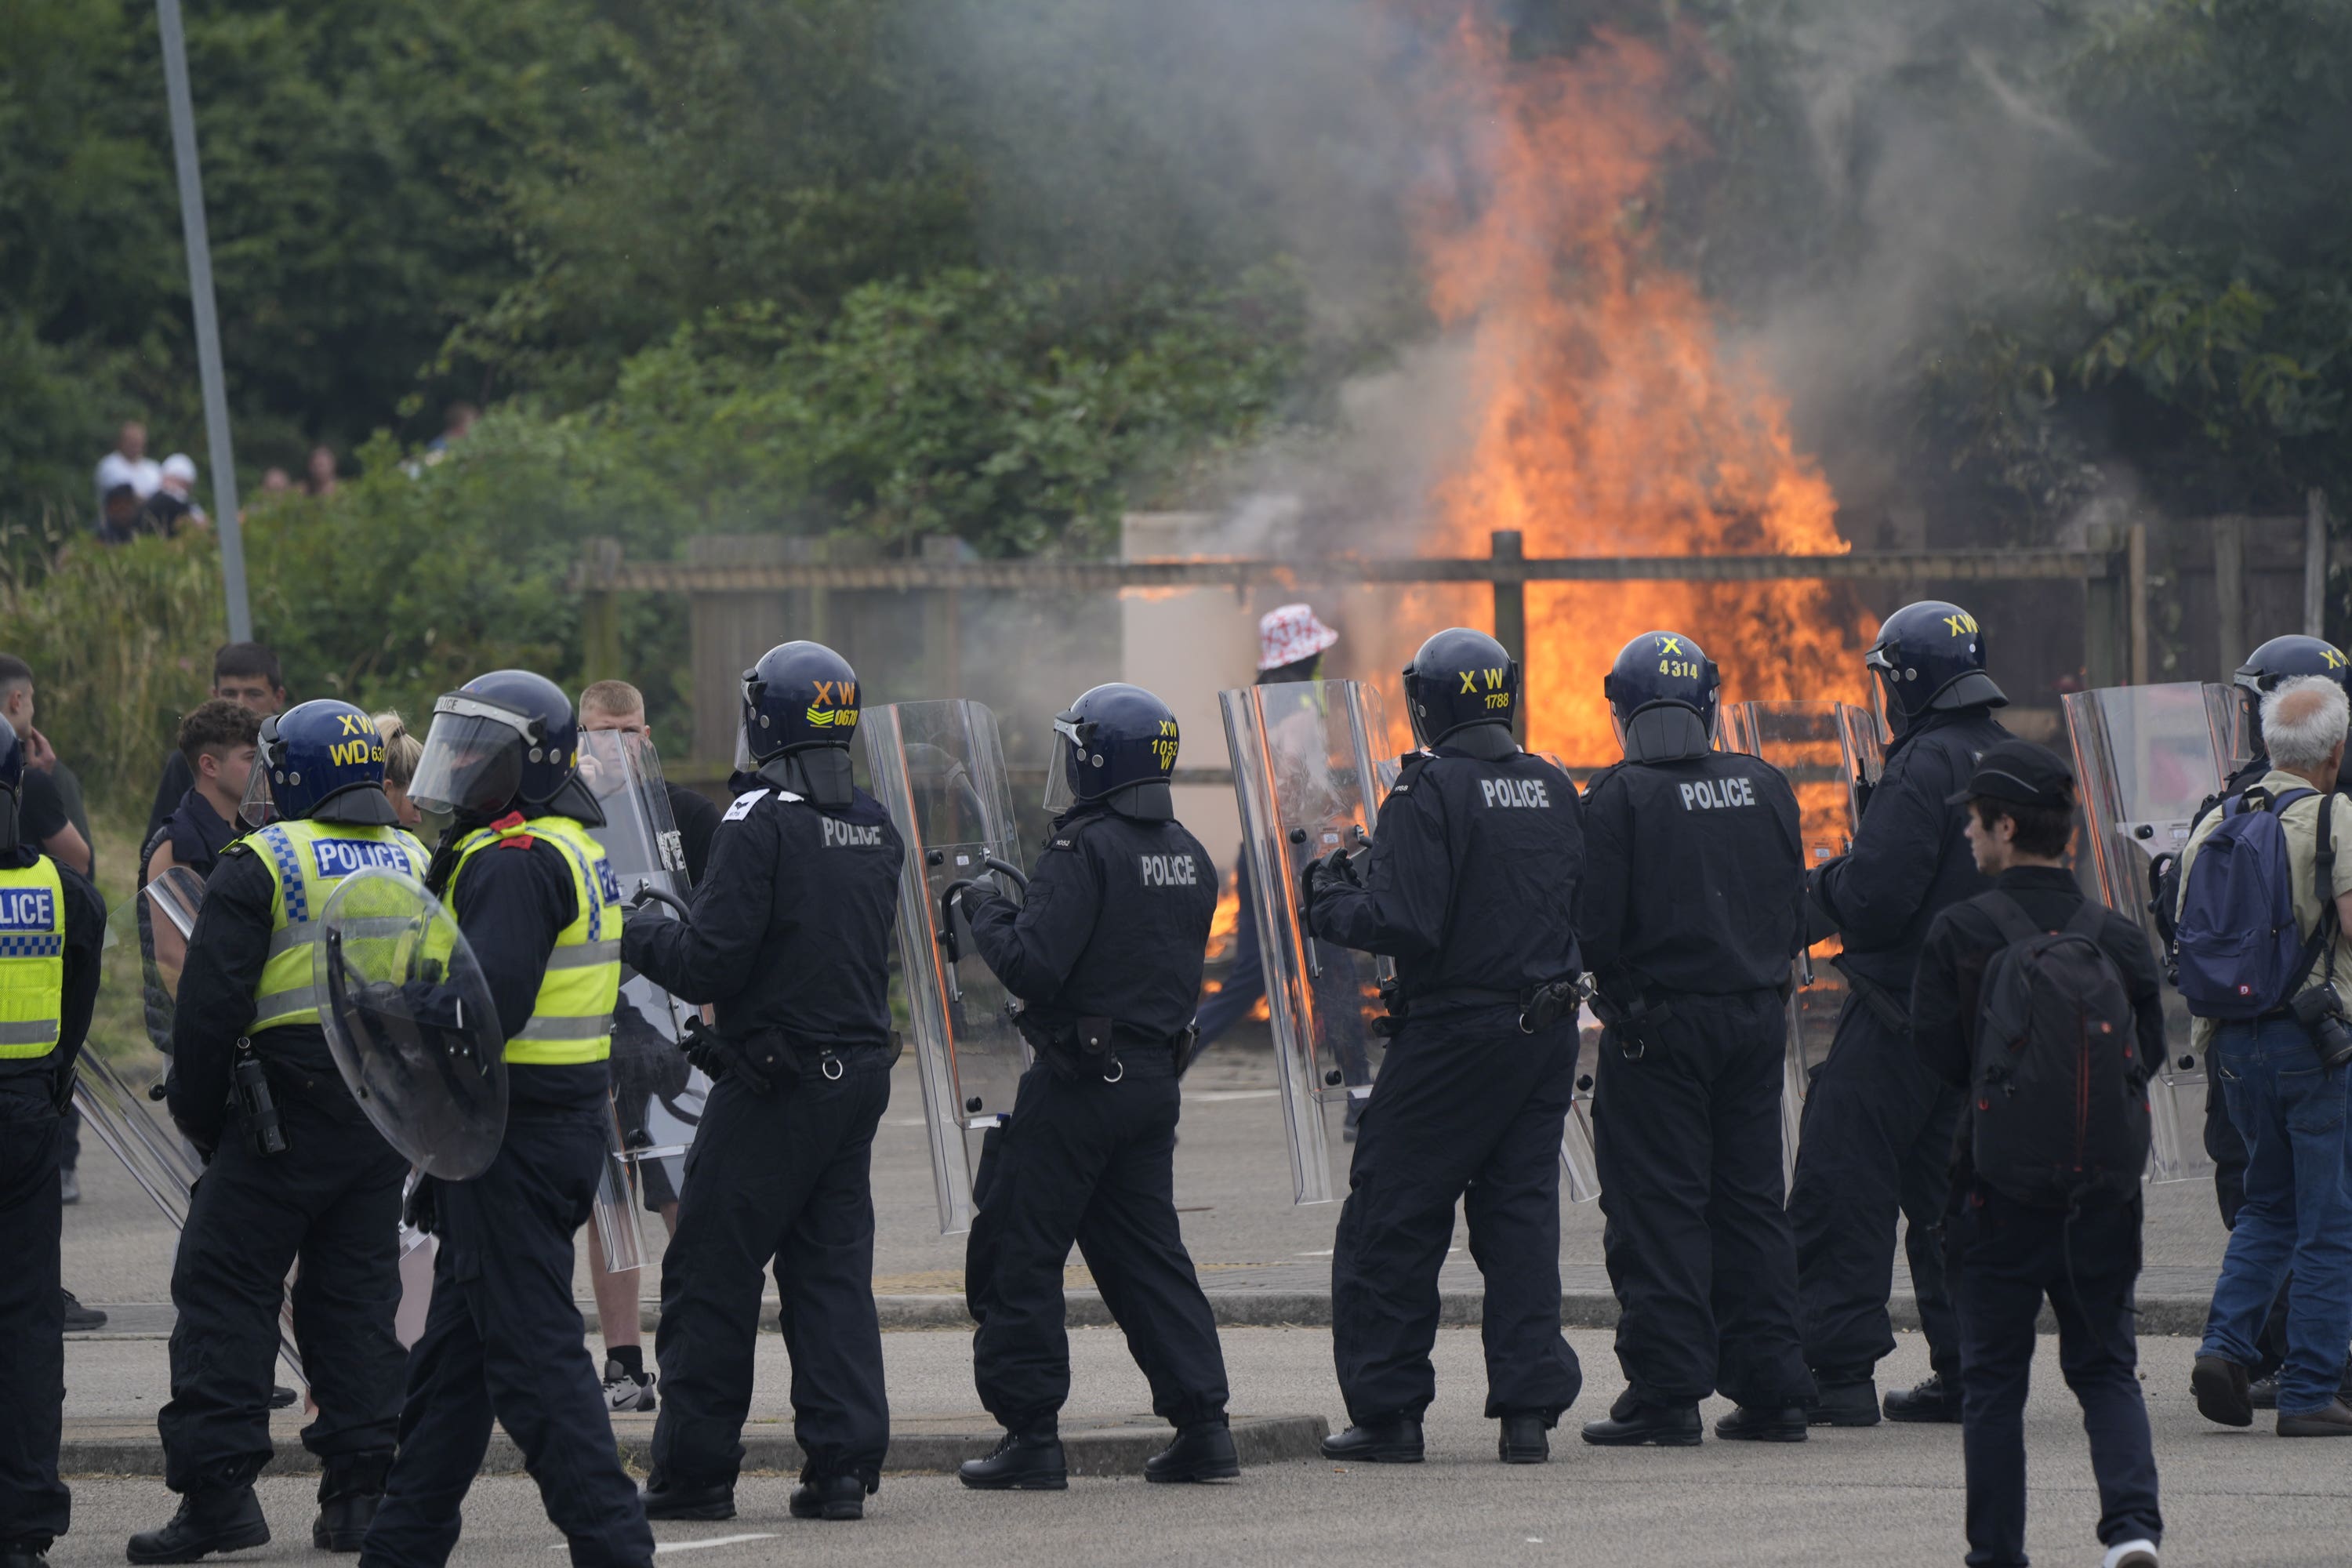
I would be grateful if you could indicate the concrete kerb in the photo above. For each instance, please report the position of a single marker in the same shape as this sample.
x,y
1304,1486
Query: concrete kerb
x,y
918,1446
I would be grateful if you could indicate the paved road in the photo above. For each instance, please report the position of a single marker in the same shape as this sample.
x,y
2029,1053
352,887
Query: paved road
x,y
1885,1496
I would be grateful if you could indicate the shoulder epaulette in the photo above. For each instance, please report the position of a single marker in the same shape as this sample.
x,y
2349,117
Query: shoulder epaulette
x,y
1409,768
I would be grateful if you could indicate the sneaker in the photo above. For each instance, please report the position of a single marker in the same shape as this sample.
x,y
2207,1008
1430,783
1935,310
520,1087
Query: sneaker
x,y
69,1187
2131,1554
80,1318
624,1392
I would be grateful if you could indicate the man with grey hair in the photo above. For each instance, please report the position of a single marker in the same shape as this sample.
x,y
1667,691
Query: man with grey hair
x,y
2289,1106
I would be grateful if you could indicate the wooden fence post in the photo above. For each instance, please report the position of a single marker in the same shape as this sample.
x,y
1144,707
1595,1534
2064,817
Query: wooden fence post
x,y
2106,657
2230,592
600,612
1511,613
2314,564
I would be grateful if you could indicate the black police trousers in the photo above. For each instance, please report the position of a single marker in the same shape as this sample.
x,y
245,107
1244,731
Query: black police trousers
x,y
1091,1161
35,1507
1876,1144
1688,1137
1474,1106
2005,1257
332,1201
504,1339
784,1177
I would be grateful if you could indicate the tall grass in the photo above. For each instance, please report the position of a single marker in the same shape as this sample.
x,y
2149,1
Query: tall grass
x,y
121,639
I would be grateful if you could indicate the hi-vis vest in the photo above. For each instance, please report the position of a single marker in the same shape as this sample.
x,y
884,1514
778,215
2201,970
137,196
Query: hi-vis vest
x,y
32,959
572,1021
305,860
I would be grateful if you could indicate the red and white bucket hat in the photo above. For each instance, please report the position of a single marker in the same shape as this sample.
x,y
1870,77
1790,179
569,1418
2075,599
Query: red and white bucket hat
x,y
1289,634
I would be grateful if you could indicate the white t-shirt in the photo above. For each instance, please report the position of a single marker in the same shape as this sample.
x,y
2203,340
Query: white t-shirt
x,y
145,475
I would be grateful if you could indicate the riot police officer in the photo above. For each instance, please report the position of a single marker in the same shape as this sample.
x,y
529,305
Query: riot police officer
x,y
538,903
1105,951
1691,910
294,1170
52,924
789,938
1877,1127
1470,886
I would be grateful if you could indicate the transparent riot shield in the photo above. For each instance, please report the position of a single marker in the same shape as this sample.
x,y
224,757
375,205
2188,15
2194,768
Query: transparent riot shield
x,y
410,1022
651,1076
2225,706
939,770
1307,778
1832,755
119,1075
2145,758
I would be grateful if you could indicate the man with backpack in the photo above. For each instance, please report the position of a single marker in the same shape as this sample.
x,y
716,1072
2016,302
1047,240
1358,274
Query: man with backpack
x,y
2048,1007
2265,865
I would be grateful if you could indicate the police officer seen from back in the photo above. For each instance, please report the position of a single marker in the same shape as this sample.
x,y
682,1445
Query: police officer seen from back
x,y
52,924
1105,951
1690,913
537,902
789,938
1877,1130
303,1177
1470,885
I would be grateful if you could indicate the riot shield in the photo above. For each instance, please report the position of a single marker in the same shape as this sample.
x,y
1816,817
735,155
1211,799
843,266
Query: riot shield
x,y
1831,756
119,1076
410,1022
2145,758
1307,781
938,769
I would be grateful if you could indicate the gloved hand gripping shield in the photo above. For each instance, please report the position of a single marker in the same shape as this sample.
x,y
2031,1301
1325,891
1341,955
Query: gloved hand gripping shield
x,y
118,1083
1832,755
656,1095
1307,783
938,769
2145,758
411,1024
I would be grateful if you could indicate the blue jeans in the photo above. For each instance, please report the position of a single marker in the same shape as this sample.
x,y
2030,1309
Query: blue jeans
x,y
2298,1211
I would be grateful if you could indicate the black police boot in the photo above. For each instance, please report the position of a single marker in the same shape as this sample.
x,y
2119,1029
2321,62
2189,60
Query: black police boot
x,y
1633,1423
24,1555
1933,1398
667,1497
2263,1393
224,1520
1202,1451
1022,1462
1763,1423
829,1497
1523,1441
348,1493
1393,1441
1845,1402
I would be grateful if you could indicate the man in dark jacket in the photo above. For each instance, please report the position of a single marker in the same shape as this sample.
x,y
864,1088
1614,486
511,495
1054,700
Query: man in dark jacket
x,y
2005,1254
1876,1135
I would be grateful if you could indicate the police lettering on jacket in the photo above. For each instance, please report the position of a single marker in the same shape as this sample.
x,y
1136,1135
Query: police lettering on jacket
x,y
840,834
27,909
343,856
1514,792
1168,870
1719,794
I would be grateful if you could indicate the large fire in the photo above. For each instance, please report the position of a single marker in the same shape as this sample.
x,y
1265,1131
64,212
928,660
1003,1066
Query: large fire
x,y
1608,416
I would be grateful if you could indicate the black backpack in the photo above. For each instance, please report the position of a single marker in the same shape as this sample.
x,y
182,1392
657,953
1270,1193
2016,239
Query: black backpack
x,y
2059,1092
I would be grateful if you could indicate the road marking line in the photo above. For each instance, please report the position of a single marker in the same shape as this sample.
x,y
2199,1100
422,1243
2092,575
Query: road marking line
x,y
1219,1096
691,1546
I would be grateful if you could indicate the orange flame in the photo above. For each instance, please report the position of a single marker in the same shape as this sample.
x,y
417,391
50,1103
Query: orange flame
x,y
1609,417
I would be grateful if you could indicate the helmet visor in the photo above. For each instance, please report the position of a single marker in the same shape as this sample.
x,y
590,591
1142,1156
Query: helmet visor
x,y
1064,758
472,764
258,809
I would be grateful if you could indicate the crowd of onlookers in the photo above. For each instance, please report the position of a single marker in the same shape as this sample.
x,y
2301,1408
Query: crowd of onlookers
x,y
137,495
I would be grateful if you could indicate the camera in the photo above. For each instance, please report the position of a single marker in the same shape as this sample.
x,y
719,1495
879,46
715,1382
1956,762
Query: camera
x,y
2321,1012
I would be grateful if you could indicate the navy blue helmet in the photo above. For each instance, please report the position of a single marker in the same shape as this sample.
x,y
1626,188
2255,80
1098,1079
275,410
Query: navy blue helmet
x,y
1657,672
12,786
504,741
799,694
321,759
2279,659
1117,743
1932,655
1460,676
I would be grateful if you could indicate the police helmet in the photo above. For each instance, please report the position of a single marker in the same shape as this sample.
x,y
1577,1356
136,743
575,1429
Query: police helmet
x,y
1460,677
502,742
320,760
11,787
1662,694
1117,745
799,694
2279,659
1932,655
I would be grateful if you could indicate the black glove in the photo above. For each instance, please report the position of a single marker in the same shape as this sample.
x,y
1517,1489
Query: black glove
x,y
1316,874
722,1058
423,1210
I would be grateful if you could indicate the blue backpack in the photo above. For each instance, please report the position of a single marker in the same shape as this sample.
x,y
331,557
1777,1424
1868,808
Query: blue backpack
x,y
2240,955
